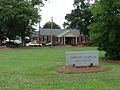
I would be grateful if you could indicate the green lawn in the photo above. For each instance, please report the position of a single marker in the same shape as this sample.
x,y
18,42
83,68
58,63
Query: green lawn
x,y
33,69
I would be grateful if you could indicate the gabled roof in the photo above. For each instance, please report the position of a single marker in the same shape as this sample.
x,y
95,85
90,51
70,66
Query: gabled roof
x,y
55,32
68,33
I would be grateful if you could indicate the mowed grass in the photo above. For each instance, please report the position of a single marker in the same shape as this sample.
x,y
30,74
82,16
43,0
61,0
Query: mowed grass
x,y
33,69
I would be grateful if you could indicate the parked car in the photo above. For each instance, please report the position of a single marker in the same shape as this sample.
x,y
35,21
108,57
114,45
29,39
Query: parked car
x,y
11,44
33,44
51,44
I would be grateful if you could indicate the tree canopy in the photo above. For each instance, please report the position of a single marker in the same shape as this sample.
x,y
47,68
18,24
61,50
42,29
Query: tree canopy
x,y
52,25
17,17
105,31
80,17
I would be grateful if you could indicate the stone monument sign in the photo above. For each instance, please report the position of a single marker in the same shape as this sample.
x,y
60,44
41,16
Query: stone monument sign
x,y
84,58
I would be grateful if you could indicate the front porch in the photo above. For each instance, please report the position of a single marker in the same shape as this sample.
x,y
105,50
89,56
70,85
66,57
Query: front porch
x,y
68,38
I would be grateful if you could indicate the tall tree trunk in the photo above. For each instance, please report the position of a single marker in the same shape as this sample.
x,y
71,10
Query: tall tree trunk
x,y
23,37
23,40
0,42
23,32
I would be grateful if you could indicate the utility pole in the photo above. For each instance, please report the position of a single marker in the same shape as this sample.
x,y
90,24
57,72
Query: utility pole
x,y
51,30
39,22
39,32
51,22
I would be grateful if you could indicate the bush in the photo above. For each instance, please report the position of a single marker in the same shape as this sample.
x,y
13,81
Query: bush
x,y
44,43
74,44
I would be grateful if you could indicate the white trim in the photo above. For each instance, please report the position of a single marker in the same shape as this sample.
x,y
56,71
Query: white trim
x,y
67,33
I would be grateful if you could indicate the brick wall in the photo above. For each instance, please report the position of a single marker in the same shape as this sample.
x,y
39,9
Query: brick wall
x,y
56,39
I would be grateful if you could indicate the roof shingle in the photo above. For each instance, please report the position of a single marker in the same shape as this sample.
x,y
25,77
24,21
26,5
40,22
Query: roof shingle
x,y
54,32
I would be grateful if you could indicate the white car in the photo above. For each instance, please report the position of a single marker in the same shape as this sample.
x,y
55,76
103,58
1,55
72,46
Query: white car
x,y
48,44
33,44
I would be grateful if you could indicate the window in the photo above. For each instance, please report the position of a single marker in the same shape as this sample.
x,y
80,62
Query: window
x,y
45,38
34,38
57,39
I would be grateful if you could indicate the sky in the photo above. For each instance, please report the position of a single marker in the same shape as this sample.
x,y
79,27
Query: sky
x,y
56,9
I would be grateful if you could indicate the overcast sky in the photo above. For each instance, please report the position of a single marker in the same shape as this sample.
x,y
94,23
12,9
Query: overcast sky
x,y
56,9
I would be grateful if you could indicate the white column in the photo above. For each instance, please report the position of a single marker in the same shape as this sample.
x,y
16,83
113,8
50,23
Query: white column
x,y
64,40
76,40
58,39
80,39
31,38
73,41
37,38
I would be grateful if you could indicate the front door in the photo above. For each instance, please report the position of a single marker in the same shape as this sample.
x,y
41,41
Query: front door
x,y
69,40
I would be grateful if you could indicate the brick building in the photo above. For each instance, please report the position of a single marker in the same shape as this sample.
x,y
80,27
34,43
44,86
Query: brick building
x,y
61,36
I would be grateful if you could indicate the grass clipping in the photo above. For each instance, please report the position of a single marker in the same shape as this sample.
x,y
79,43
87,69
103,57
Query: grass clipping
x,y
79,70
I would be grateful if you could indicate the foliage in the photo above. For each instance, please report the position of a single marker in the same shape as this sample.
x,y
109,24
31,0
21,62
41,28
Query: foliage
x,y
2,33
80,17
6,16
26,16
105,31
18,17
52,25
45,42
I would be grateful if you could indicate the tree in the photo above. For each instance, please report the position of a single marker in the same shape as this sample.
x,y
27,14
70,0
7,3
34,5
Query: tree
x,y
18,17
80,17
25,16
2,34
105,31
52,25
6,19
